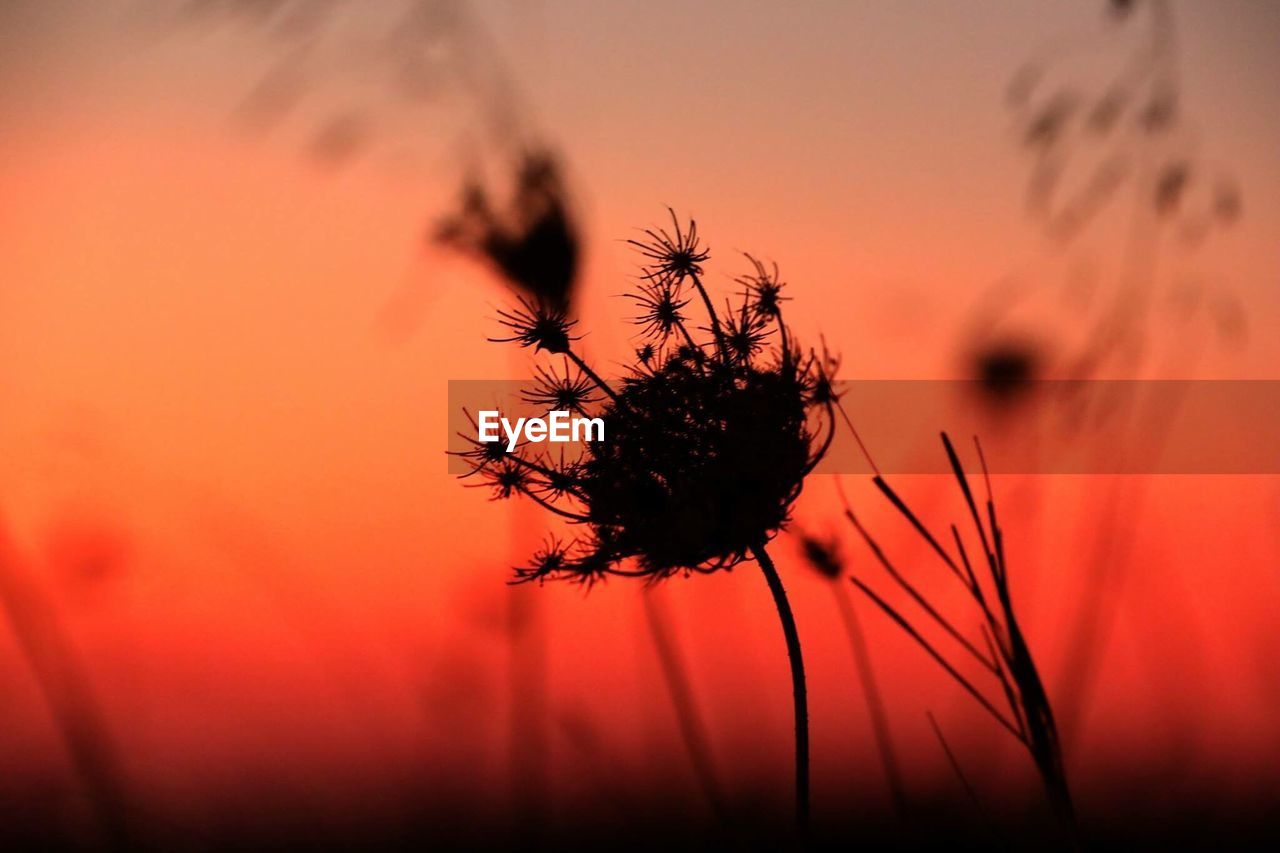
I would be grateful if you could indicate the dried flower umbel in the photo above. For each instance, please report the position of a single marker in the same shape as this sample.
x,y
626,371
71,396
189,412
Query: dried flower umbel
x,y
709,438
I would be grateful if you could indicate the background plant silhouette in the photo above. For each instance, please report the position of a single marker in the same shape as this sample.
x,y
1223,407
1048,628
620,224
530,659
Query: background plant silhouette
x,y
1022,706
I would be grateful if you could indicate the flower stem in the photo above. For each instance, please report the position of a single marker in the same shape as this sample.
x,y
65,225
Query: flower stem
x,y
711,313
688,338
798,692
591,374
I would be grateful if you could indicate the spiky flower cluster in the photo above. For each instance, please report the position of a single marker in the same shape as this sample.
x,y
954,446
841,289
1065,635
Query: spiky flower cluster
x,y
709,436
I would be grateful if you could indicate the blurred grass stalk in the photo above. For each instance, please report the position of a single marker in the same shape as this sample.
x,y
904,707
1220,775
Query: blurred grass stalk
x,y
824,557
528,716
873,698
675,674
66,688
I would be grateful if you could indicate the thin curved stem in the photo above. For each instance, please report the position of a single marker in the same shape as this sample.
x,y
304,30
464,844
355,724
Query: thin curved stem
x,y
711,312
586,368
688,338
799,693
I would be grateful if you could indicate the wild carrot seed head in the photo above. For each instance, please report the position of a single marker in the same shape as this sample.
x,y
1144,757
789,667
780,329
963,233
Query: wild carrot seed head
x,y
572,392
671,254
706,446
538,324
660,306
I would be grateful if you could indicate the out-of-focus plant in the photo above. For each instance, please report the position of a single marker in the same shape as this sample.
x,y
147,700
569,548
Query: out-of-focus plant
x,y
534,244
1112,151
1125,188
823,555
73,703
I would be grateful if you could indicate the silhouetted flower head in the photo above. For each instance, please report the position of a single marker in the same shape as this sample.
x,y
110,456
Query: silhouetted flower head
x,y
571,392
507,478
549,560
820,378
484,454
673,254
706,446
745,334
534,245
557,479
482,457
660,306
762,289
690,355
540,325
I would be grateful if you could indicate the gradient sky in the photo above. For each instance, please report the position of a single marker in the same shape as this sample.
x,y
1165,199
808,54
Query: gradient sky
x,y
223,362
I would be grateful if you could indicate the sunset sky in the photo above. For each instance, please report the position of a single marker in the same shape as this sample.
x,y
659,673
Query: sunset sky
x,y
225,348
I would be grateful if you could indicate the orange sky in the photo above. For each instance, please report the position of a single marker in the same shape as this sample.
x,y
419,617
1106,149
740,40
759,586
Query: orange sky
x,y
223,368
